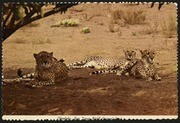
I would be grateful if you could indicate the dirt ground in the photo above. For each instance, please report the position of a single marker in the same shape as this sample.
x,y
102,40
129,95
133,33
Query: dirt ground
x,y
82,94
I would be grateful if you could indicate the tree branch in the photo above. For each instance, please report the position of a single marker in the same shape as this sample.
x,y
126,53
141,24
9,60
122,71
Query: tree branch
x,y
27,19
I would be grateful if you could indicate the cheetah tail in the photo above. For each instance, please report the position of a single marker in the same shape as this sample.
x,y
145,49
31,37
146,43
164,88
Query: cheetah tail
x,y
20,74
103,72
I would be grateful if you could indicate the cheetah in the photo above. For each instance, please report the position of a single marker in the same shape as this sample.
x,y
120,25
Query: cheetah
x,y
48,70
144,68
99,62
123,65
30,76
89,62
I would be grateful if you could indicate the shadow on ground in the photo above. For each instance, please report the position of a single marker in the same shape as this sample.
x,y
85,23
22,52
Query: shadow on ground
x,y
82,94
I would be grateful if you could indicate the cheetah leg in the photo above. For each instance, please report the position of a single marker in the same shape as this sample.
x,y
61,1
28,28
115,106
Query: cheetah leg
x,y
144,75
83,66
127,74
128,66
149,79
77,64
38,84
119,72
157,77
91,64
133,71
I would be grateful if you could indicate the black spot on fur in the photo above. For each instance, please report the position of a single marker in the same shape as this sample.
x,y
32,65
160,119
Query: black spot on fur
x,y
31,77
19,72
93,72
61,60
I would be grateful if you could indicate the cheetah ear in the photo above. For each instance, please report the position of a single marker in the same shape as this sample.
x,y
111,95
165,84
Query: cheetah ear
x,y
35,55
51,53
141,51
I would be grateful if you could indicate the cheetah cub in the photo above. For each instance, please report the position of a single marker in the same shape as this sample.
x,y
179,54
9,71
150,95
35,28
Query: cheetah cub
x,y
144,67
48,70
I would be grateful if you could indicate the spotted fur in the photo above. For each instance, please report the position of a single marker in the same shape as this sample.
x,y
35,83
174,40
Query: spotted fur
x,y
123,66
48,70
145,68
99,62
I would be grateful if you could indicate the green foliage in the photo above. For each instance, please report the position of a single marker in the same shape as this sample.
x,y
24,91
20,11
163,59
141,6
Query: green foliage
x,y
67,23
17,15
86,30
20,13
38,9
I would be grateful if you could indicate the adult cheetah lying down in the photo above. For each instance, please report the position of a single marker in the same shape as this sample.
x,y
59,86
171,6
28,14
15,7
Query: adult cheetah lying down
x,y
122,65
48,70
104,64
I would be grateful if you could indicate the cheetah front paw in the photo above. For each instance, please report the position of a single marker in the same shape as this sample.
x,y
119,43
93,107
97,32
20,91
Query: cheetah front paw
x,y
126,74
33,84
158,78
149,79
119,73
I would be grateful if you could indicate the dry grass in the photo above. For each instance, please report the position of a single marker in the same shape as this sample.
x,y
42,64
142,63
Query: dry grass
x,y
128,17
19,41
120,33
150,28
134,33
76,9
86,17
41,41
113,28
169,26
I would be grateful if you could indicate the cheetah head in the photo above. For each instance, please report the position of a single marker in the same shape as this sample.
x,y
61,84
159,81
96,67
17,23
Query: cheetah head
x,y
148,55
44,59
130,54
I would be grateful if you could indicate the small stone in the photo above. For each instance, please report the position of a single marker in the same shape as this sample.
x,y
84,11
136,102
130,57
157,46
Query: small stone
x,y
68,112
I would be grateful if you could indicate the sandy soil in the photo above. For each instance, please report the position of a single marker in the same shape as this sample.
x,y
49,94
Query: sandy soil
x,y
84,94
